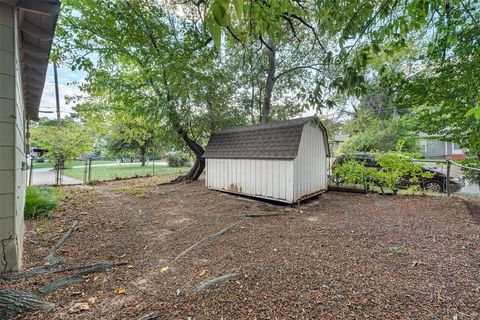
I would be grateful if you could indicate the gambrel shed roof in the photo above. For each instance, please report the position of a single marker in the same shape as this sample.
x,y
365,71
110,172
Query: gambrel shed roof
x,y
274,140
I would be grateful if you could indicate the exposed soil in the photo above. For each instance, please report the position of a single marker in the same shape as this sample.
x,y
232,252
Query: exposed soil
x,y
339,256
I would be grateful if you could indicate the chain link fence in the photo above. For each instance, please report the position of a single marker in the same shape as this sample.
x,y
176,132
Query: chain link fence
x,y
91,170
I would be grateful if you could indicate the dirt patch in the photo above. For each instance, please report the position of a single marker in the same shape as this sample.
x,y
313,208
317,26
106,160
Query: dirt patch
x,y
341,255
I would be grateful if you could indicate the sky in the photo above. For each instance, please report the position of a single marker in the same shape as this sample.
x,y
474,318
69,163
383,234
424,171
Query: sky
x,y
66,87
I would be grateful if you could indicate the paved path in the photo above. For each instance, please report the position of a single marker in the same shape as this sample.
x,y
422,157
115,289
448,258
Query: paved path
x,y
47,176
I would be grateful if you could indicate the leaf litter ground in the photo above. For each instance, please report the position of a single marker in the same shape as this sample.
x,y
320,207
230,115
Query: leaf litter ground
x,y
340,255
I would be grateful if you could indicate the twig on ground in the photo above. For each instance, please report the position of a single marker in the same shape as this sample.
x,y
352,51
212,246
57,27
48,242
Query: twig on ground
x,y
50,257
215,282
207,238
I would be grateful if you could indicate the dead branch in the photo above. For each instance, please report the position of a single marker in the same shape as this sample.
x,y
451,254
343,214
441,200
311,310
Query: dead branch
x,y
50,258
215,282
207,238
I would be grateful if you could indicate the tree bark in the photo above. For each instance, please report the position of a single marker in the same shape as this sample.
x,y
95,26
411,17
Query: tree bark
x,y
142,156
267,98
199,164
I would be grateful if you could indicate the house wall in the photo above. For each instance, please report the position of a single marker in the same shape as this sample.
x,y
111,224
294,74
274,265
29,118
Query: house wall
x,y
439,149
12,143
310,165
271,179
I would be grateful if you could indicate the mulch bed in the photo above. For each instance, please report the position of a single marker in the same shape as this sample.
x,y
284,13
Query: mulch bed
x,y
338,256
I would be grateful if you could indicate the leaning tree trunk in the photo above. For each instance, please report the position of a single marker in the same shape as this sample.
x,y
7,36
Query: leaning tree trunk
x,y
267,99
199,164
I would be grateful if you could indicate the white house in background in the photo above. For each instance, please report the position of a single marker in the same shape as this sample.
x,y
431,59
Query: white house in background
x,y
26,32
284,161
435,148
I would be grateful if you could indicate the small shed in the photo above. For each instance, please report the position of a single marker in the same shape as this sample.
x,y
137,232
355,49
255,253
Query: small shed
x,y
284,161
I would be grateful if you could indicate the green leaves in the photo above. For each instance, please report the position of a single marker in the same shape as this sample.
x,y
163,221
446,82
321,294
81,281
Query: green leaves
x,y
473,112
219,11
239,8
215,31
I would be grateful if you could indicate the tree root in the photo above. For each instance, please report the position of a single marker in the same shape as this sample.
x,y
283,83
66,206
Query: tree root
x,y
207,238
215,282
13,302
257,215
77,277
36,271
50,257
150,316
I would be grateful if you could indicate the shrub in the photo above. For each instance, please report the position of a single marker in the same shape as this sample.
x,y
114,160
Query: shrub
x,y
41,201
177,159
353,172
394,169
470,175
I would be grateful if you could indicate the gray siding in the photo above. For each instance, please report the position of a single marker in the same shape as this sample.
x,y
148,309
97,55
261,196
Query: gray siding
x,y
12,142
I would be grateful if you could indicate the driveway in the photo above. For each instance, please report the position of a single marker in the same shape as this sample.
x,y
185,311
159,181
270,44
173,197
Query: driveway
x,y
46,176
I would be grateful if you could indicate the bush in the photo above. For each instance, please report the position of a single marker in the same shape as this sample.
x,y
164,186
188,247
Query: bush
x,y
472,176
395,169
353,172
177,159
41,201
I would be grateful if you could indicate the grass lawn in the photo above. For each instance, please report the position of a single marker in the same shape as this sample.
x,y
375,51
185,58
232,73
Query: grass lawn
x,y
74,163
122,171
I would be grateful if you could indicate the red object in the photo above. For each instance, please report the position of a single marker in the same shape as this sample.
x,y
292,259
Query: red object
x,y
457,156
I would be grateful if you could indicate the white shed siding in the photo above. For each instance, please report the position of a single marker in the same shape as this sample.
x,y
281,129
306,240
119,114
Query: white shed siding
x,y
256,177
310,165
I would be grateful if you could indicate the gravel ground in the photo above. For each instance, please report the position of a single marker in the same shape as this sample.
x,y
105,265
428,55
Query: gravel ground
x,y
339,256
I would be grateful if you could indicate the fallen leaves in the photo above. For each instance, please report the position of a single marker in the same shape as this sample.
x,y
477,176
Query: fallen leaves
x,y
120,290
79,307
164,269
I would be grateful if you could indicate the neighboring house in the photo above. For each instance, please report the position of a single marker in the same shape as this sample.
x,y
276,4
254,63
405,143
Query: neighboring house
x,y
433,148
36,152
26,32
283,161
336,140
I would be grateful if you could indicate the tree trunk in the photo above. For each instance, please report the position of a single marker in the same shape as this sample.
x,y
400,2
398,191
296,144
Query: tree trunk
x,y
142,156
199,164
267,98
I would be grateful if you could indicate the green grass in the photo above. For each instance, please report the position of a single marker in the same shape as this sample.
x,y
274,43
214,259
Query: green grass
x,y
74,163
123,171
40,201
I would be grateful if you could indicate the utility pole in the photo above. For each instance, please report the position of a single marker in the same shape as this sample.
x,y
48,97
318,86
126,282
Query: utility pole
x,y
59,161
57,95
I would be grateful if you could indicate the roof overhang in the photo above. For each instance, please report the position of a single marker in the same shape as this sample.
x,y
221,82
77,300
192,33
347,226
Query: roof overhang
x,y
37,20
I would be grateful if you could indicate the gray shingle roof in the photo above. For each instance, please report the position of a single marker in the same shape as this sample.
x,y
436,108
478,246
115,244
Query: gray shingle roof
x,y
274,140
